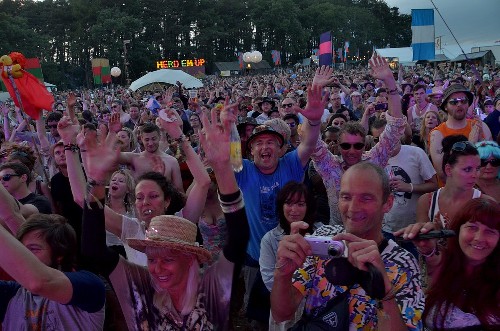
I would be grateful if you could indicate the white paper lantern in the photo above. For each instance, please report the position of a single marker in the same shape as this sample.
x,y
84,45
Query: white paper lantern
x,y
257,56
115,72
246,56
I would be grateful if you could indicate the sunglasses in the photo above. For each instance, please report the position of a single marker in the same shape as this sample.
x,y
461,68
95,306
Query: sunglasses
x,y
114,106
7,177
456,101
462,146
494,163
347,146
287,105
52,126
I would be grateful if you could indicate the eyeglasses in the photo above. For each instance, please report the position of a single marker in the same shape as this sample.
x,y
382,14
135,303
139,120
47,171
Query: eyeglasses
x,y
494,163
287,105
52,126
347,146
462,146
291,124
7,177
456,101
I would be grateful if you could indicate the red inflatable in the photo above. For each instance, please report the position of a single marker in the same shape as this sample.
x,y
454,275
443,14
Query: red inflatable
x,y
34,95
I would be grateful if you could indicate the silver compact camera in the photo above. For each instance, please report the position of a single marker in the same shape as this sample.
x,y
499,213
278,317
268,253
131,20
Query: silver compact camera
x,y
325,247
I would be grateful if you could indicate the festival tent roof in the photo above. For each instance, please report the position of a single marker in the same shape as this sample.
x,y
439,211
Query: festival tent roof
x,y
440,58
470,56
167,76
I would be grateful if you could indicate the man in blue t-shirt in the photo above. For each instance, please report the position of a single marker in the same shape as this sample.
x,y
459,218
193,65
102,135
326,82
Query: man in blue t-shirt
x,y
261,179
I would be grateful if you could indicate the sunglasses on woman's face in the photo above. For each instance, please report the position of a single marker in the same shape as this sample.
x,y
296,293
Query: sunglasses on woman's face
x,y
493,162
347,146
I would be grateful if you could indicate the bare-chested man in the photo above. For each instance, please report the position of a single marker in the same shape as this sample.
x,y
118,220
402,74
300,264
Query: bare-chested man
x,y
152,158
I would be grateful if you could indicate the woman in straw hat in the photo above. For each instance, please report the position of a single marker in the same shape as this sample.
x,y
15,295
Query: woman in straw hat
x,y
154,194
173,292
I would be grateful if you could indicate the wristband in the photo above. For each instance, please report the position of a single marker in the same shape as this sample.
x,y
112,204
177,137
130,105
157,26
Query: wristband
x,y
71,147
393,92
181,138
311,124
411,188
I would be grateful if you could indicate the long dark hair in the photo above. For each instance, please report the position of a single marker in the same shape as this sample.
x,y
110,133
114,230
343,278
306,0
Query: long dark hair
x,y
482,285
292,192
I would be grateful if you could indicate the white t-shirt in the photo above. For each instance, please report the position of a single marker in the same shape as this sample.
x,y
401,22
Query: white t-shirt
x,y
411,165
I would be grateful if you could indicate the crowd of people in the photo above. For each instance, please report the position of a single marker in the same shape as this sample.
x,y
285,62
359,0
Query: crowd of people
x,y
124,210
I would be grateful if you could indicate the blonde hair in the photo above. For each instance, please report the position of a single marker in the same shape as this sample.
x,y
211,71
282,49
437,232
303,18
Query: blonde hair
x,y
424,135
162,299
129,198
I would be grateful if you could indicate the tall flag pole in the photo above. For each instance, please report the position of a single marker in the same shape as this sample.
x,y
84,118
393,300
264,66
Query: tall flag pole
x,y
346,50
276,55
423,34
325,49
240,59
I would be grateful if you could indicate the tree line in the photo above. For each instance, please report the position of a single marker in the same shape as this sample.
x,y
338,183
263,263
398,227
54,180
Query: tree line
x,y
66,34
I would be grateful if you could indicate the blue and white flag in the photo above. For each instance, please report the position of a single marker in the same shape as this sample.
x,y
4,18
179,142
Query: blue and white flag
x,y
422,27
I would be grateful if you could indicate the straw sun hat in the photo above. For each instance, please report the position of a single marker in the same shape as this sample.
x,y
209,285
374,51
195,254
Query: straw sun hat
x,y
171,232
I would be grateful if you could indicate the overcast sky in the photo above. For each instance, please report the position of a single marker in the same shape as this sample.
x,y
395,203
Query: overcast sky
x,y
474,22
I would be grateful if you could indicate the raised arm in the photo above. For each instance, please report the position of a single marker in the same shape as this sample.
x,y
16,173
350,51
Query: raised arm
x,y
380,69
215,143
6,121
10,211
42,135
105,155
316,103
198,194
31,273
68,130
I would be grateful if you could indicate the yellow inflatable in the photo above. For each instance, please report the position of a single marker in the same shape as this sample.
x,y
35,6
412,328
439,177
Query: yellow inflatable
x,y
15,65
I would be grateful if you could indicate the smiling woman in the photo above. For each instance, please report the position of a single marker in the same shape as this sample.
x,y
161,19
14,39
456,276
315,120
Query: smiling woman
x,y
471,262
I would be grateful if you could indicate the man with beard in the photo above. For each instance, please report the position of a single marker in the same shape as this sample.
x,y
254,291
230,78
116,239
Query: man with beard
x,y
135,115
153,159
456,101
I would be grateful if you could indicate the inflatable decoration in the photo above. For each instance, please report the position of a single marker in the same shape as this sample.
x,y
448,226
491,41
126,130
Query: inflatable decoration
x,y
28,93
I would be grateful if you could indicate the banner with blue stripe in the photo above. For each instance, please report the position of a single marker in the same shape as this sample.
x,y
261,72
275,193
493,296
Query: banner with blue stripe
x,y
423,34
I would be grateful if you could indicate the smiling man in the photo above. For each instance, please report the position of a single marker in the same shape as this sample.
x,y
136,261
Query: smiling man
x,y
352,141
456,101
365,197
261,179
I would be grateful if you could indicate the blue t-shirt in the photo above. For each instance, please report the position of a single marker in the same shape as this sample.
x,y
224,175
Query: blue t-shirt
x,y
21,309
260,192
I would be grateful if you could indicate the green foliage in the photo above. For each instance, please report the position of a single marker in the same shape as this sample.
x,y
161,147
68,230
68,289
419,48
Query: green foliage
x,y
67,34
